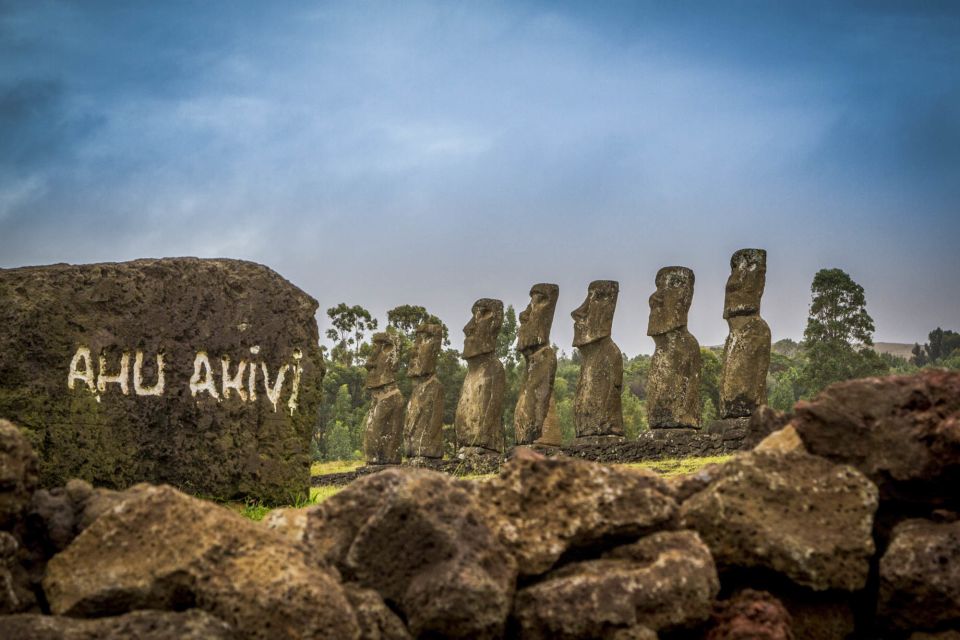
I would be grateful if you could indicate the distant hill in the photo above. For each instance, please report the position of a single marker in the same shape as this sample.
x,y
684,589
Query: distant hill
x,y
898,349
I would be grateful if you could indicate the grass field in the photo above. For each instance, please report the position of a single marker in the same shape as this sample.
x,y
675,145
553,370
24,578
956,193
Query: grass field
x,y
669,467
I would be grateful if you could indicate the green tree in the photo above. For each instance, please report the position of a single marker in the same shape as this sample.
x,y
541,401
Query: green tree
x,y
407,317
940,346
710,369
839,333
634,414
350,325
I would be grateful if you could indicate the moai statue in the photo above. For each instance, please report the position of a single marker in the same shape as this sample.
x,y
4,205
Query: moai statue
x,y
383,431
423,425
746,353
479,420
596,408
535,402
673,385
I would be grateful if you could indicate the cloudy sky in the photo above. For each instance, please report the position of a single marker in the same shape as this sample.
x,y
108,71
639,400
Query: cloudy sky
x,y
437,152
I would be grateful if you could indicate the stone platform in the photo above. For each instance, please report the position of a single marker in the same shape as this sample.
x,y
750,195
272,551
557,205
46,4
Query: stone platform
x,y
721,437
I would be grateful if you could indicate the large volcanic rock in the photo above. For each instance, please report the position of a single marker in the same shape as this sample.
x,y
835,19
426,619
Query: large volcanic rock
x,y
664,581
920,576
792,513
161,549
543,508
903,432
80,348
142,625
418,538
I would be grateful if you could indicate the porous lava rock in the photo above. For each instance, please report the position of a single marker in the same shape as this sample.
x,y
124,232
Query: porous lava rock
x,y
664,581
18,474
541,508
795,514
903,432
750,615
161,549
418,538
920,576
81,348
142,625
377,621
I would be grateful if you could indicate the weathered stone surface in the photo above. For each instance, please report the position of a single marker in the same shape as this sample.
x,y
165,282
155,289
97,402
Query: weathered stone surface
x,y
597,407
142,625
376,620
419,539
423,423
18,474
383,427
535,396
664,581
536,384
939,635
551,435
903,432
750,615
479,418
673,384
67,333
796,514
746,353
920,576
16,593
161,549
543,508
746,360
783,441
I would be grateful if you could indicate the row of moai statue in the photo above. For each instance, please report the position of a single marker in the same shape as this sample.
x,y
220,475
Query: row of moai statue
x,y
414,429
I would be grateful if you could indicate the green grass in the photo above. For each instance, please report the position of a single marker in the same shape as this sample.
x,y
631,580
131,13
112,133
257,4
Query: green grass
x,y
677,466
335,466
257,511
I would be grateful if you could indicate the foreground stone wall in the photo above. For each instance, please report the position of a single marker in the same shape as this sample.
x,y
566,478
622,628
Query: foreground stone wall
x,y
204,374
778,543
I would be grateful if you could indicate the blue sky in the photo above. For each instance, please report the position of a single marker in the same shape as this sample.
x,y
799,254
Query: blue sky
x,y
437,152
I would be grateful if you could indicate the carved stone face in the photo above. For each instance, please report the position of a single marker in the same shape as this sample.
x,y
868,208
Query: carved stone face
x,y
670,303
381,365
748,274
593,319
426,348
537,319
481,332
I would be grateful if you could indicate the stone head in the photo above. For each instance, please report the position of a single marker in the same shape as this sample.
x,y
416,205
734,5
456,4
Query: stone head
x,y
381,364
593,319
426,348
748,274
670,303
537,319
480,334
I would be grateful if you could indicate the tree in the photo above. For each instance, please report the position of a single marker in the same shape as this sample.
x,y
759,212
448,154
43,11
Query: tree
x,y
507,336
940,346
350,325
407,317
839,333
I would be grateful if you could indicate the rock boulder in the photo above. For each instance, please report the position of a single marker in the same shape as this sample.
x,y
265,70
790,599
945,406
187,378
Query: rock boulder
x,y
203,374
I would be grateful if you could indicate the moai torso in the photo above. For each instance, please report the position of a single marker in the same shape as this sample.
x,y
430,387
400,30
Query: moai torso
x,y
536,386
673,384
479,419
383,427
743,381
423,424
597,407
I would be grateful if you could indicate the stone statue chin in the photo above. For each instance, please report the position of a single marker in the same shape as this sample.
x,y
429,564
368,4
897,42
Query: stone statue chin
x,y
383,430
532,421
597,410
673,384
479,419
